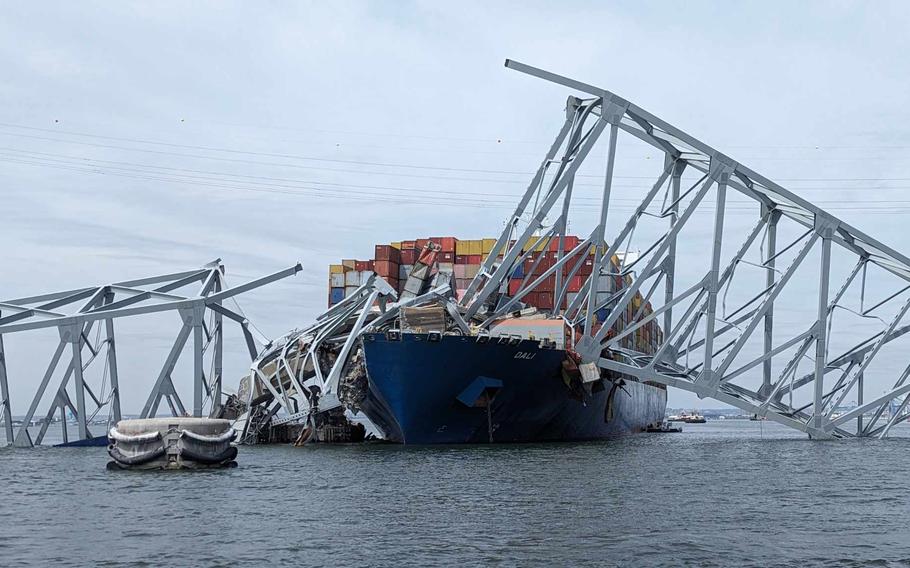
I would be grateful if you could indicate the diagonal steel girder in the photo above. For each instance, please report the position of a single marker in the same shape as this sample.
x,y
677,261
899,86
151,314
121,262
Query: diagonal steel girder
x,y
725,367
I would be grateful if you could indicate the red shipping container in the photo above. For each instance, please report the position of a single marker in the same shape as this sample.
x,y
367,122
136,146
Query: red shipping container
x,y
514,285
568,267
461,259
386,268
531,298
446,256
388,252
575,283
541,264
545,300
361,265
475,258
408,256
447,243
408,245
427,256
421,244
569,264
568,243
548,285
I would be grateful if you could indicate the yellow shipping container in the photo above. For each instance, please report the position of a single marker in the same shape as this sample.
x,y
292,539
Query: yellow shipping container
x,y
348,263
396,245
475,247
488,245
536,242
462,247
336,269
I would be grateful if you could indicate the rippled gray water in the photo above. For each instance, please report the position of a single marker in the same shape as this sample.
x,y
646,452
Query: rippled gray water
x,y
732,493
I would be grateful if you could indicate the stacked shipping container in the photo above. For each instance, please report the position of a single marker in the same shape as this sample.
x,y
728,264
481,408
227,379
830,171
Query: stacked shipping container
x,y
463,258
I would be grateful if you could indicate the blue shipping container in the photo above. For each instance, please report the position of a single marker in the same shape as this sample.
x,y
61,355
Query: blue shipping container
x,y
336,295
519,271
602,315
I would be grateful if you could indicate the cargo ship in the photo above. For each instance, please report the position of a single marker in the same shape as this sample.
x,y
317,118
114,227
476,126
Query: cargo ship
x,y
424,380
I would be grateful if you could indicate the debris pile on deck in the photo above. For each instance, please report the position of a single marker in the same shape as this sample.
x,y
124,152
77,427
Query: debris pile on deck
x,y
300,386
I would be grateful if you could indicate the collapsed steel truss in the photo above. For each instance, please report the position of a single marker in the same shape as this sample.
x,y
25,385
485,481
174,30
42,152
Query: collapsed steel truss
x,y
704,347
294,372
699,348
102,305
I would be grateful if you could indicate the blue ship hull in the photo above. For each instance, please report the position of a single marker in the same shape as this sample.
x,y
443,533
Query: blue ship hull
x,y
439,392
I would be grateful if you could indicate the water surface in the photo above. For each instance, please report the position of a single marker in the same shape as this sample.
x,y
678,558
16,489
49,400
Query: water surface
x,y
728,493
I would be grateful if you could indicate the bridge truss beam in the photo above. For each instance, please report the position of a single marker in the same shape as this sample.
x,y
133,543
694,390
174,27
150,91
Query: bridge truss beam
x,y
74,313
705,347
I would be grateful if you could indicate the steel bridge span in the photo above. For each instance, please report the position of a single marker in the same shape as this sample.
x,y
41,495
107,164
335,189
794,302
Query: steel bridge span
x,y
722,333
794,315
198,296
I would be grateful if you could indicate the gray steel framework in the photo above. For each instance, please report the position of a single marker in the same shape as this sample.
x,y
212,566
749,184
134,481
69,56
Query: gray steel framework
x,y
294,366
74,313
700,344
704,347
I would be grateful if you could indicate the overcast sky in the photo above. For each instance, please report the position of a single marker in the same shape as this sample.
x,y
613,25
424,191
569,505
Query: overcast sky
x,y
146,138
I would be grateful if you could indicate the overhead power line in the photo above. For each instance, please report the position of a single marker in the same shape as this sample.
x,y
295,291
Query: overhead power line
x,y
410,197
235,151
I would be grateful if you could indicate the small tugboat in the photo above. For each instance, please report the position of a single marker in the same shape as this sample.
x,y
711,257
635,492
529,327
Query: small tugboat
x,y
685,417
172,443
662,428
